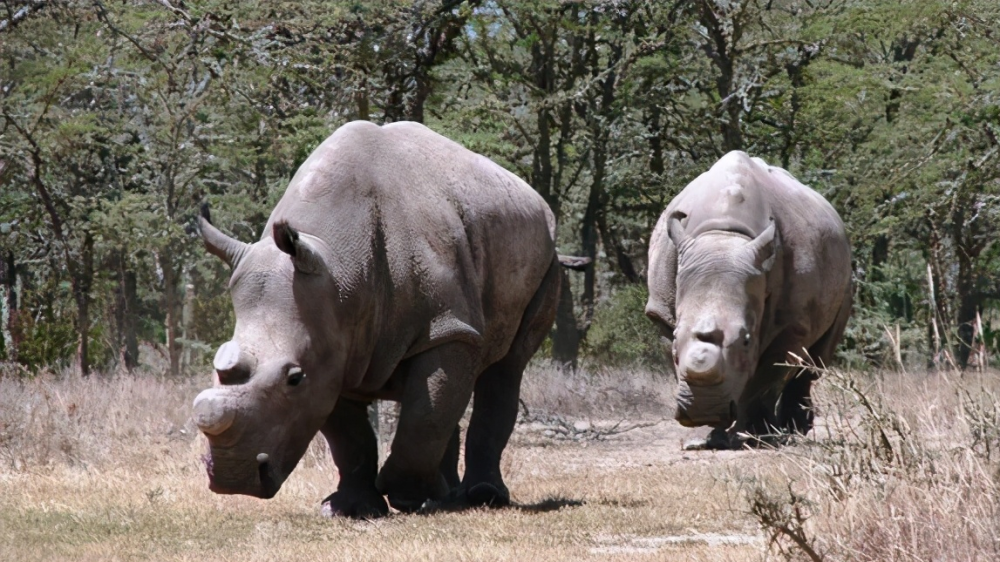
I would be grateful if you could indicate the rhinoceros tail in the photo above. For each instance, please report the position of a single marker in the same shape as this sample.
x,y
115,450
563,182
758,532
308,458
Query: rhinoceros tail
x,y
576,263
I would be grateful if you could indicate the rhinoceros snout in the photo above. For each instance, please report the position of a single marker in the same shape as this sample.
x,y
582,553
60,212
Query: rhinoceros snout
x,y
701,365
232,471
697,416
211,413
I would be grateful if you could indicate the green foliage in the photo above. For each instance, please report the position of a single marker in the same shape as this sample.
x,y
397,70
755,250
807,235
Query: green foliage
x,y
117,120
621,334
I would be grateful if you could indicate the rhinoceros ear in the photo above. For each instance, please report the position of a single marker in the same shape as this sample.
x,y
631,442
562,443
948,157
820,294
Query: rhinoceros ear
x,y
305,258
227,249
764,248
676,230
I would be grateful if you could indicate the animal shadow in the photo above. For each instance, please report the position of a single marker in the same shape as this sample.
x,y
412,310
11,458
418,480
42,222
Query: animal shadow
x,y
544,506
547,505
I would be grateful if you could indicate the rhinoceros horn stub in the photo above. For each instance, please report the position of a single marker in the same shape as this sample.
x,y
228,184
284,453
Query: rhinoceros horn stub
x,y
211,413
227,357
224,247
231,365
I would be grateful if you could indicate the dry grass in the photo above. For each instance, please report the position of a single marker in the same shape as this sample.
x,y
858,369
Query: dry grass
x,y
903,467
107,469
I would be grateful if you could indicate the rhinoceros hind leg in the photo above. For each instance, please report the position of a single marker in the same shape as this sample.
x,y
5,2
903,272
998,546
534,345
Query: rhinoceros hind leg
x,y
449,462
488,494
354,448
437,390
718,439
795,411
494,410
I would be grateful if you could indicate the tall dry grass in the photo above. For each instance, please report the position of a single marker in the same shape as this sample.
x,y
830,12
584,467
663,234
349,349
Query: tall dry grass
x,y
108,468
54,420
598,391
903,466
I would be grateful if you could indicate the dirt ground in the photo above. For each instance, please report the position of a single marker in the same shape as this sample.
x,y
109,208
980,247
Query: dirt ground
x,y
631,495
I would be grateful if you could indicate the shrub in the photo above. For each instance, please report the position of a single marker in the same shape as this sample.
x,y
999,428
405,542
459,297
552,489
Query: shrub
x,y
621,334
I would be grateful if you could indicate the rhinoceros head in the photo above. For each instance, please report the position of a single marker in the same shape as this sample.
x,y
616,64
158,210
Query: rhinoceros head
x,y
720,295
269,396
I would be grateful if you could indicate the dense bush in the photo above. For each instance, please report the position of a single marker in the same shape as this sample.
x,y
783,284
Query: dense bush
x,y
621,334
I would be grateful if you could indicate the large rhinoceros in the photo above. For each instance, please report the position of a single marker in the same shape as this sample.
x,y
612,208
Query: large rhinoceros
x,y
746,265
397,266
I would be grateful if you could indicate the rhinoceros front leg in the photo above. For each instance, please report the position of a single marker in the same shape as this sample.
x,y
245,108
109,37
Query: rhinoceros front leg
x,y
355,452
437,390
449,463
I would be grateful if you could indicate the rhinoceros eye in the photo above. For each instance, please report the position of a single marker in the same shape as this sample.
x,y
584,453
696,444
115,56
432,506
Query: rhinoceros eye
x,y
295,376
746,340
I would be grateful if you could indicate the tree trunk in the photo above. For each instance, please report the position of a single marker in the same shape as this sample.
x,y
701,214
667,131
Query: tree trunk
x,y
8,306
588,234
566,339
656,164
364,106
719,50
968,305
171,306
126,338
82,282
622,258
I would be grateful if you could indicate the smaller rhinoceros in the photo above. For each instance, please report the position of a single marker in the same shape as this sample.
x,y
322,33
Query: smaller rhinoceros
x,y
747,265
400,266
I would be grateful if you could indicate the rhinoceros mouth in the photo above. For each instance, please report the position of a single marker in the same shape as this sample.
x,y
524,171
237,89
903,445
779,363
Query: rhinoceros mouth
x,y
688,418
264,486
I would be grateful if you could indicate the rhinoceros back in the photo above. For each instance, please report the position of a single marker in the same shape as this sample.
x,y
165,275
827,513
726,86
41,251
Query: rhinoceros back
x,y
440,239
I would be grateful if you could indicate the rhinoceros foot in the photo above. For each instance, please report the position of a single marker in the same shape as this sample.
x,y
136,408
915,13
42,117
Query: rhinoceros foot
x,y
718,440
355,504
483,494
772,440
488,494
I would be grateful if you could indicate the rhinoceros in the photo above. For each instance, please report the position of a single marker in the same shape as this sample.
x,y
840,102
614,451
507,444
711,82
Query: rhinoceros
x,y
747,265
398,266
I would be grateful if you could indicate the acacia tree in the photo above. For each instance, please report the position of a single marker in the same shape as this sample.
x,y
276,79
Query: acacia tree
x,y
905,130
58,146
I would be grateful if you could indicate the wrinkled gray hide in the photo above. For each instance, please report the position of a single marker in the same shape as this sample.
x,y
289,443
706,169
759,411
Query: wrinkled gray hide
x,y
746,265
397,266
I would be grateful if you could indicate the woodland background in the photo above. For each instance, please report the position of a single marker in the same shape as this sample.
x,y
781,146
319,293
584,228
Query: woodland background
x,y
118,119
